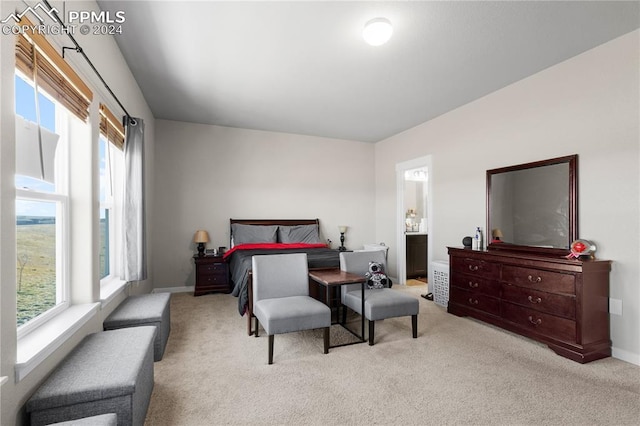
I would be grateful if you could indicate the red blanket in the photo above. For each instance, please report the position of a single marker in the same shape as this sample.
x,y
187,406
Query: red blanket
x,y
278,246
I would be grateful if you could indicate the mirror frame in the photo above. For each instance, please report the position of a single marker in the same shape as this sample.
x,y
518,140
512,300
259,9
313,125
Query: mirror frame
x,y
572,189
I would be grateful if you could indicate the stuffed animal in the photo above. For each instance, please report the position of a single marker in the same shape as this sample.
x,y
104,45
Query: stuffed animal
x,y
376,278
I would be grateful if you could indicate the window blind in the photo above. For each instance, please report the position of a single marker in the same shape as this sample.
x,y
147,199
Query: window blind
x,y
40,61
111,127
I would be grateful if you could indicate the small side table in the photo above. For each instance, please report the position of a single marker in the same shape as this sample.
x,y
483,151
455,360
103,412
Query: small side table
x,y
336,278
212,275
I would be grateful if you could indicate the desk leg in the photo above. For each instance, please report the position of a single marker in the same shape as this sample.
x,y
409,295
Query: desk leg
x,y
362,316
328,302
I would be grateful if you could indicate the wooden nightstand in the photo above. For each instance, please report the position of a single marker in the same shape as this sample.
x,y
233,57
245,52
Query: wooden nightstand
x,y
212,275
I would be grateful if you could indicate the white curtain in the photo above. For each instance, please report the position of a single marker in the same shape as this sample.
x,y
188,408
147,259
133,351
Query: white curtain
x,y
134,241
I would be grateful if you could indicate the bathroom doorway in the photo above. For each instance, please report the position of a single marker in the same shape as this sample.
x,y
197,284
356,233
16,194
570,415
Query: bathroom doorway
x,y
413,219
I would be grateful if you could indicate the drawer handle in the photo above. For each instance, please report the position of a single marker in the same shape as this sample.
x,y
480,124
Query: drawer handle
x,y
473,268
536,321
536,300
473,301
534,280
473,285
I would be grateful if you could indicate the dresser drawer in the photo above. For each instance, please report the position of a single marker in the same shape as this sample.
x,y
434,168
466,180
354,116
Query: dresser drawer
x,y
554,282
474,300
475,267
475,284
556,304
539,322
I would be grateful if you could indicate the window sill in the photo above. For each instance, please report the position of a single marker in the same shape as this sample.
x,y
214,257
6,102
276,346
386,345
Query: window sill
x,y
110,289
36,346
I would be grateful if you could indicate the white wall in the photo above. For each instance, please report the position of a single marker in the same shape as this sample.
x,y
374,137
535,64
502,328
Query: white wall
x,y
587,105
206,175
106,57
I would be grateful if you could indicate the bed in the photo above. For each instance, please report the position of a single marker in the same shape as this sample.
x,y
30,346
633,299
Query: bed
x,y
254,237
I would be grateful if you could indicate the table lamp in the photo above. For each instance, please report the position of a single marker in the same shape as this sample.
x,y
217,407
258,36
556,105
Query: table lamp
x,y
342,230
201,237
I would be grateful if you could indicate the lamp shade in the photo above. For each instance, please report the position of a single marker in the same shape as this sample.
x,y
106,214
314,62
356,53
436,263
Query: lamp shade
x,y
201,237
342,229
497,233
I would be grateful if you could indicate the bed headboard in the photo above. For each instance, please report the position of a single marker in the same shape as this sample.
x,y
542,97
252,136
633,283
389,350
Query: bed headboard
x,y
269,222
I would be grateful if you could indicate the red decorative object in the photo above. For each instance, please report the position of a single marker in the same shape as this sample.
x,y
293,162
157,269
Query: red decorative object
x,y
580,248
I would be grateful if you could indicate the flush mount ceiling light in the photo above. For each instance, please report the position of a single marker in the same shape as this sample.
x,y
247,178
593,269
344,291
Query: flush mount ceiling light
x,y
377,31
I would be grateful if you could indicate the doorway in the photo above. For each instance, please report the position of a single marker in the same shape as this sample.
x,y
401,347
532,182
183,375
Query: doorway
x,y
414,207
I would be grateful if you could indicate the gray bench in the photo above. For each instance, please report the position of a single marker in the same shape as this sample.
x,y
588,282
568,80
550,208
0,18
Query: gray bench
x,y
110,419
108,372
141,310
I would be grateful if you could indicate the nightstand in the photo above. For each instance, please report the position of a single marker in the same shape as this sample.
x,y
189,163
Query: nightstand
x,y
212,275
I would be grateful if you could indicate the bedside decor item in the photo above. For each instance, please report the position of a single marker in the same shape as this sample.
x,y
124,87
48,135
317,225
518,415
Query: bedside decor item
x,y
582,249
467,241
342,230
497,236
477,240
201,237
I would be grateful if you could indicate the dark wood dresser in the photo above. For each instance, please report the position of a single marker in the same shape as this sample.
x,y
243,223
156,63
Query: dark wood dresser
x,y
561,302
212,275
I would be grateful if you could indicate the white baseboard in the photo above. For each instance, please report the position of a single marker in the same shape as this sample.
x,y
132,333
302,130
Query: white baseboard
x,y
183,289
627,356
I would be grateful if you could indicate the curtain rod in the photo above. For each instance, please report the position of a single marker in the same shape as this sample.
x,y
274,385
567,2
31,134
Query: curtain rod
x,y
79,49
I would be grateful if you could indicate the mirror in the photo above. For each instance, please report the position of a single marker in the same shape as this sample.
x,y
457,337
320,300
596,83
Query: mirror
x,y
533,206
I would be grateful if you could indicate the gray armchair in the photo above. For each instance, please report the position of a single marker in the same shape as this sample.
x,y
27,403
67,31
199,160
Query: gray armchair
x,y
379,303
281,301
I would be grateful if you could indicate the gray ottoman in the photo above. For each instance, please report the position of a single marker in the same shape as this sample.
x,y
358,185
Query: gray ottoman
x,y
108,372
145,309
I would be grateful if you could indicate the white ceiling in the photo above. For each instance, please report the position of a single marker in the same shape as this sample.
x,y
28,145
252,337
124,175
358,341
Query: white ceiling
x,y
302,67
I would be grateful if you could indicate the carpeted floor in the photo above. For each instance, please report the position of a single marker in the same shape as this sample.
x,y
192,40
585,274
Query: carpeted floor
x,y
458,371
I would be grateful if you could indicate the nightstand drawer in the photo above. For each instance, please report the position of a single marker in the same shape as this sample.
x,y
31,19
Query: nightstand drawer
x,y
213,268
213,279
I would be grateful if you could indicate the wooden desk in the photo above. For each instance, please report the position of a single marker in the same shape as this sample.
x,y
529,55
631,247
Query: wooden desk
x,y
336,278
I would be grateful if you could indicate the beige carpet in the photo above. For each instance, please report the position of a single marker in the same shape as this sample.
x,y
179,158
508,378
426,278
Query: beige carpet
x,y
458,371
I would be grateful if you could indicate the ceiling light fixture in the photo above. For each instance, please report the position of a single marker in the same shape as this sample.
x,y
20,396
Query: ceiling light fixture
x,y
377,31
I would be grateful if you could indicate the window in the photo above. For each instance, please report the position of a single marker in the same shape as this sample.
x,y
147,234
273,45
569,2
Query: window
x,y
41,204
111,160
51,104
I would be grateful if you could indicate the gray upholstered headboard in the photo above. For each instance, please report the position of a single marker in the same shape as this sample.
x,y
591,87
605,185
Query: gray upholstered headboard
x,y
271,222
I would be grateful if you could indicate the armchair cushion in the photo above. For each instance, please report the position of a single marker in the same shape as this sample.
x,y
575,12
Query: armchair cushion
x,y
381,303
294,313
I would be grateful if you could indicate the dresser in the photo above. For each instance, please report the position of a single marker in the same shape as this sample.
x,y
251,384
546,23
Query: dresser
x,y
212,275
561,302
